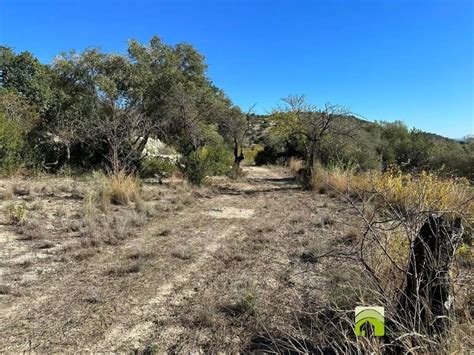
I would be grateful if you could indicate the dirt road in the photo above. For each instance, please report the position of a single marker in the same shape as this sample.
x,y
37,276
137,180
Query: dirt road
x,y
208,271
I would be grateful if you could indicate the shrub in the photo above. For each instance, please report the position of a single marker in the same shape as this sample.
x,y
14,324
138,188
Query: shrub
x,y
208,161
17,119
336,177
422,192
152,166
268,155
251,153
16,212
118,189
295,165
194,169
12,144
403,191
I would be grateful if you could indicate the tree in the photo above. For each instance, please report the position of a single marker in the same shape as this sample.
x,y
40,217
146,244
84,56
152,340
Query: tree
x,y
94,106
27,76
234,126
309,124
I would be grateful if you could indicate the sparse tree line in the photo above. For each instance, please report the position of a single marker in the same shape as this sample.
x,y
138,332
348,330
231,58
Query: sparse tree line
x,y
332,135
95,110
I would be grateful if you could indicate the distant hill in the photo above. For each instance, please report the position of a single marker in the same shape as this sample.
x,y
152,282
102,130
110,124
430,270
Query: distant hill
x,y
260,125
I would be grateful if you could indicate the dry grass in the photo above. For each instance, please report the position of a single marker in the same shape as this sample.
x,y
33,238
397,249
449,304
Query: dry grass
x,y
118,189
15,212
6,193
183,253
332,178
407,191
295,165
423,192
32,228
134,263
202,284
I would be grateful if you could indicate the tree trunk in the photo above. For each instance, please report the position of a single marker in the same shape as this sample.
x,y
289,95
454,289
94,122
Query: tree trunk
x,y
425,302
237,157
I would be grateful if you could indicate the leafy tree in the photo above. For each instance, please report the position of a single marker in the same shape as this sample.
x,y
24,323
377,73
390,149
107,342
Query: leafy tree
x,y
27,76
309,124
234,126
168,82
93,107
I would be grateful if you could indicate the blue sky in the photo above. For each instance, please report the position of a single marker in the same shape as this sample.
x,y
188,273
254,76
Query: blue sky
x,y
383,59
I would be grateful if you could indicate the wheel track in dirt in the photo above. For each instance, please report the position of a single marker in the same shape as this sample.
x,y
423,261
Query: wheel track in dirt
x,y
112,326
119,336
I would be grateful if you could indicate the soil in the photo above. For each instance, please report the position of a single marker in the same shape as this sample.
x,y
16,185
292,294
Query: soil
x,y
209,270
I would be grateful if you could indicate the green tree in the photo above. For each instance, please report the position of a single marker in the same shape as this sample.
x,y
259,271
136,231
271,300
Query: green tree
x,y
27,76
93,108
309,124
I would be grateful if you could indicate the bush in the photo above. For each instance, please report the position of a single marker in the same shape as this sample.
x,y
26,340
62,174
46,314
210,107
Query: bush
x,y
251,153
423,192
403,191
16,213
266,156
17,119
295,165
118,189
157,166
208,161
338,177
12,144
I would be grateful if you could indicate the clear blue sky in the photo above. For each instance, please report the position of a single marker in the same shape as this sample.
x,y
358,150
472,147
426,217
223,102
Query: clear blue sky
x,y
384,59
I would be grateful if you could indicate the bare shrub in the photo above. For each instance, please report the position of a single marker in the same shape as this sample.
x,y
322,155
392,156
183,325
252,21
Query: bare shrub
x,y
408,249
32,229
132,267
21,189
403,260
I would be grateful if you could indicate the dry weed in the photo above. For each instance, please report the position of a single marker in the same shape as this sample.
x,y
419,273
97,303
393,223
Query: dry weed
x,y
118,189
295,165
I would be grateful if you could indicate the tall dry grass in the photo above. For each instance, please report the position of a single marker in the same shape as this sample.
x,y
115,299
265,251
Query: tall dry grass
x,y
118,189
295,165
398,203
422,192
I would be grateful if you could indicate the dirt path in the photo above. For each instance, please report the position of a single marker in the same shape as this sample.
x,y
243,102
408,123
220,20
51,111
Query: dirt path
x,y
173,285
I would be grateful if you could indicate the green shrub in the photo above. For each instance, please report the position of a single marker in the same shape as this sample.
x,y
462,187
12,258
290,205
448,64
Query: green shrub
x,y
208,161
268,155
12,144
251,153
17,119
152,166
